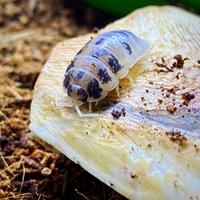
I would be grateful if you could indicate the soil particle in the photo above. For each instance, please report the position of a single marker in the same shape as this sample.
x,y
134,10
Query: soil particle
x,y
179,61
171,109
118,112
177,137
187,97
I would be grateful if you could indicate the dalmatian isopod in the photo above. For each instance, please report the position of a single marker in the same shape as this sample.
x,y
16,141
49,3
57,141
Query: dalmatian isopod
x,y
98,66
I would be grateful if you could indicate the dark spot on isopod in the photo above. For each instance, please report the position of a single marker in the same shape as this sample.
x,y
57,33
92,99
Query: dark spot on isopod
x,y
127,47
112,60
125,33
82,95
104,76
93,89
77,92
69,89
79,75
114,63
99,41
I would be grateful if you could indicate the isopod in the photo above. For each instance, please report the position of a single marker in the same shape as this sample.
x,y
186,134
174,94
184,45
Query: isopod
x,y
97,68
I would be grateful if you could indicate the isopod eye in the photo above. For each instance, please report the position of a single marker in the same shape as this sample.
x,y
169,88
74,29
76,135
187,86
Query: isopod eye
x,y
77,92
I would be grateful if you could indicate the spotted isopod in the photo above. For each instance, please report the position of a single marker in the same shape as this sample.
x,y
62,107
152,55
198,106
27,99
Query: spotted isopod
x,y
97,68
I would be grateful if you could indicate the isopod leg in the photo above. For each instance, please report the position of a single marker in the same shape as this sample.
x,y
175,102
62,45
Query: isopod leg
x,y
62,104
90,107
117,90
82,115
130,80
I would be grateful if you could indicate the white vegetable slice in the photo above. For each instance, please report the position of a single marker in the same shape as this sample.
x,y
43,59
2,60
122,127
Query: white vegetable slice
x,y
150,153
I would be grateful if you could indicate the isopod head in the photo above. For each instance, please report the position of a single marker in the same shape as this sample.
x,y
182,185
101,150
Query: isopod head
x,y
83,86
77,92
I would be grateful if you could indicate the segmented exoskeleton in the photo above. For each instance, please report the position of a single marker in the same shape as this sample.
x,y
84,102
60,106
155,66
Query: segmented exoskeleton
x,y
98,66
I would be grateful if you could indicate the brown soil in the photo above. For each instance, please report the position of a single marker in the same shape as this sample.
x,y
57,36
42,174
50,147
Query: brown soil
x,y
27,34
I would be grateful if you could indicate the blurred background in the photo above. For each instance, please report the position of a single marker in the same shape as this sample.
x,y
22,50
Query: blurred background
x,y
121,8
28,32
